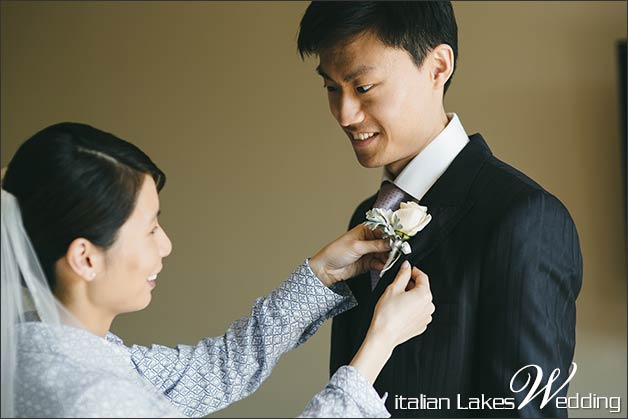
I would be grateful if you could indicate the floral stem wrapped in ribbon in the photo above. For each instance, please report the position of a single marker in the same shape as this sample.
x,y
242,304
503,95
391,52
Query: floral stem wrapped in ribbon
x,y
398,227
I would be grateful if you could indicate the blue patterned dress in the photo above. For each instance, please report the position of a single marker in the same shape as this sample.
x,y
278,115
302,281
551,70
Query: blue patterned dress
x,y
69,372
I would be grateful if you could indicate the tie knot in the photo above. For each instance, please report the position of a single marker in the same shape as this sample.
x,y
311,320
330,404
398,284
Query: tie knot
x,y
390,196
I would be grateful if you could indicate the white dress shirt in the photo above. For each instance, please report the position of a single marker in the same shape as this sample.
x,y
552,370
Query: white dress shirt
x,y
430,164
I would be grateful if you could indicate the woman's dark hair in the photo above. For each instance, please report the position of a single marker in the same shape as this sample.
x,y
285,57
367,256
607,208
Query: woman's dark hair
x,y
72,180
416,26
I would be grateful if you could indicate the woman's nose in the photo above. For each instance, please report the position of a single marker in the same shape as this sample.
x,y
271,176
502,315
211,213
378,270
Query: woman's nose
x,y
165,245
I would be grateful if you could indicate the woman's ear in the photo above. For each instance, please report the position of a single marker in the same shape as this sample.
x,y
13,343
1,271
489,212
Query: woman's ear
x,y
84,259
442,64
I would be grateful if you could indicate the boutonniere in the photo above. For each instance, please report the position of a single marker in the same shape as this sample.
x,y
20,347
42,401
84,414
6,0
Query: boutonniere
x,y
398,227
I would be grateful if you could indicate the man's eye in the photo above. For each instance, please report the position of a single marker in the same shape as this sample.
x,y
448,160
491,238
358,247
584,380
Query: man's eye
x,y
364,89
330,88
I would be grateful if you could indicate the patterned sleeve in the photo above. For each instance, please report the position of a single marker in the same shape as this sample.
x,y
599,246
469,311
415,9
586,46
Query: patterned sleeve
x,y
348,395
221,370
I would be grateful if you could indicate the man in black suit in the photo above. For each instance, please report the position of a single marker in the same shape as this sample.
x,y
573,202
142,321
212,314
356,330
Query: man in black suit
x,y
502,254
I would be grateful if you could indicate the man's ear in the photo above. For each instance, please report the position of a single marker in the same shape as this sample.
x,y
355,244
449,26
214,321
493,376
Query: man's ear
x,y
84,259
442,64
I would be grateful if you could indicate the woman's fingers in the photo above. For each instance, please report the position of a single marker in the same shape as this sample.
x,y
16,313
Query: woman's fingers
x,y
405,309
365,247
420,278
422,286
377,261
403,277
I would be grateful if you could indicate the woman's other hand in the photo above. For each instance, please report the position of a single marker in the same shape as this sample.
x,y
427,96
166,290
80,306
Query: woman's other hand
x,y
403,311
353,253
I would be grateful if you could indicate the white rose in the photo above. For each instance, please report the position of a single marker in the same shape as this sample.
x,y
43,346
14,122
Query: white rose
x,y
412,218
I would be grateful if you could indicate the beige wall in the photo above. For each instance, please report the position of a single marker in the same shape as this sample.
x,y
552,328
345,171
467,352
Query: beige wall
x,y
259,176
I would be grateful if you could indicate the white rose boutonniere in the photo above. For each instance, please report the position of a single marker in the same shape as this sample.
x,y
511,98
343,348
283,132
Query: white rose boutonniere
x,y
412,218
398,226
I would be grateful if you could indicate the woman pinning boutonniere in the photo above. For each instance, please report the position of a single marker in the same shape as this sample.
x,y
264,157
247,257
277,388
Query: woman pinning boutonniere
x,y
82,242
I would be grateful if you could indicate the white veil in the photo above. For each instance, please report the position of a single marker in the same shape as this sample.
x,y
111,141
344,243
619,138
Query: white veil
x,y
24,291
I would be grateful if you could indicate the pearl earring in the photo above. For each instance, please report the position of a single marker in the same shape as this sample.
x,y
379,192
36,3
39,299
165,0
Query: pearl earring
x,y
92,275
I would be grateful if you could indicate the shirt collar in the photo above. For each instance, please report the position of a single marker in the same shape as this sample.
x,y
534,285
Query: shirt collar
x,y
425,168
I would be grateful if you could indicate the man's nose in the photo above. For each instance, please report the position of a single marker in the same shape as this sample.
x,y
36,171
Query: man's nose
x,y
349,111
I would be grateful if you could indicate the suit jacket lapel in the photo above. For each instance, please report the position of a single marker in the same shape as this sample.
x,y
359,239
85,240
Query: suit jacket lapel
x,y
447,201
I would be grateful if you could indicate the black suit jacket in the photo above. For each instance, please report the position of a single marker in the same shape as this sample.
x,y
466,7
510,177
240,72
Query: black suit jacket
x,y
505,268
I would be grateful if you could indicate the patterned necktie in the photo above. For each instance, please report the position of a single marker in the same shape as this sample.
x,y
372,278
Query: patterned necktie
x,y
389,197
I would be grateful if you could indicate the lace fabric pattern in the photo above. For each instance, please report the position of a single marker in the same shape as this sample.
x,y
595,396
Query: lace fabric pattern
x,y
83,375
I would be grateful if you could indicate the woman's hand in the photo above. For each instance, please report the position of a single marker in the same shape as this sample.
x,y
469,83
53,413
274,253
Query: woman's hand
x,y
353,253
405,309
402,312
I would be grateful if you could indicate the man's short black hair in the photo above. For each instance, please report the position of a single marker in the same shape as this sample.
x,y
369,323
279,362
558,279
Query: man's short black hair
x,y
417,27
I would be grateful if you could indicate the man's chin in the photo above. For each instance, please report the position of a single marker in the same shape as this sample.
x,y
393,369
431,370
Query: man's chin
x,y
369,162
